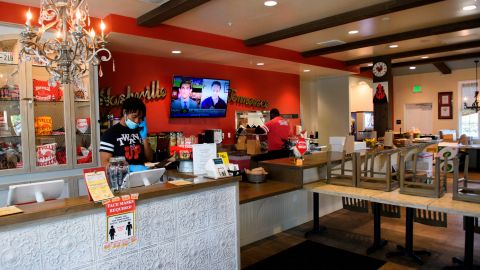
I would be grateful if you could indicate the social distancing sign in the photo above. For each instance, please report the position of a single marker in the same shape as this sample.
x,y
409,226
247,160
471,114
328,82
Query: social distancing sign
x,y
120,226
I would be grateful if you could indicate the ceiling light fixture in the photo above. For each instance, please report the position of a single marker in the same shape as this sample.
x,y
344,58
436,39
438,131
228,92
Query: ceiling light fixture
x,y
176,52
469,7
260,64
353,32
67,56
425,57
393,46
270,3
475,106
370,64
306,70
412,68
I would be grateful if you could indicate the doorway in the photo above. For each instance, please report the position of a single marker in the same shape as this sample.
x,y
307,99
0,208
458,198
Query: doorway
x,y
420,116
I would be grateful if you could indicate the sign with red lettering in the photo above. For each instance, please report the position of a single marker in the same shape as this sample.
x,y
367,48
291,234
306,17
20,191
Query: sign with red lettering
x,y
301,146
121,227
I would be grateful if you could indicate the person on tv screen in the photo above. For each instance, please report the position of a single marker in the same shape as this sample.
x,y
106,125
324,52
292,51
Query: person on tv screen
x,y
214,102
184,101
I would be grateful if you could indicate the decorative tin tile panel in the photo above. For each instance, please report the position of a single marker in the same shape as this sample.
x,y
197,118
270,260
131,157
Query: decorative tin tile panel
x,y
193,231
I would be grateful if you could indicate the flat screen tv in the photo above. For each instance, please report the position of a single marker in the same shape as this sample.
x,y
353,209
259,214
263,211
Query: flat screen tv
x,y
198,97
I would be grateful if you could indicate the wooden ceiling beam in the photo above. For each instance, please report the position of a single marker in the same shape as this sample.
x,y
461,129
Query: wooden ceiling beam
x,y
442,67
437,59
167,11
446,48
336,20
474,22
429,61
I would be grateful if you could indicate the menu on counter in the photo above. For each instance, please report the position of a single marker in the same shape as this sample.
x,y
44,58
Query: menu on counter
x,y
9,210
202,153
180,182
97,185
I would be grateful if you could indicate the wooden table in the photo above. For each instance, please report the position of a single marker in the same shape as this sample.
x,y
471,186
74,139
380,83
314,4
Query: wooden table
x,y
249,192
444,204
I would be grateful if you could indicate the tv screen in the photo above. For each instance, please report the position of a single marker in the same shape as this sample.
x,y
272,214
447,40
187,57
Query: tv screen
x,y
199,97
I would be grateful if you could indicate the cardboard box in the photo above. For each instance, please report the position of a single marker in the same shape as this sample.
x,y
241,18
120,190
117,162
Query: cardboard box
x,y
253,147
241,143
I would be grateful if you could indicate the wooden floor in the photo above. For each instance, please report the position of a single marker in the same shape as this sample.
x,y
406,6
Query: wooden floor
x,y
353,231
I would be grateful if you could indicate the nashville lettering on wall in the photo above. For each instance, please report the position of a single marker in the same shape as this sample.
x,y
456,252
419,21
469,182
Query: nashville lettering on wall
x,y
254,102
150,93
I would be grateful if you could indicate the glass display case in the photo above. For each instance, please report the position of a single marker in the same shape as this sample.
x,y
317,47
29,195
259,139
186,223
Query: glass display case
x,y
13,151
43,127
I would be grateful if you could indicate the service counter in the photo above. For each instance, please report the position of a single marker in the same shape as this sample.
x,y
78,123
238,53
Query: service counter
x,y
280,203
312,169
178,227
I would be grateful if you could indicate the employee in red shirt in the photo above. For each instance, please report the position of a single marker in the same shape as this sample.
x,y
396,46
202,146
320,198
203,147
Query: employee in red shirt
x,y
277,130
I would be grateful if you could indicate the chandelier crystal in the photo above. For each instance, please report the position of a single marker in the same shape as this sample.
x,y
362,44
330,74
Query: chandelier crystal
x,y
475,104
68,55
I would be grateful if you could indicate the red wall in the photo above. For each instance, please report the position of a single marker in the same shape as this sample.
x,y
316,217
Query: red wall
x,y
282,90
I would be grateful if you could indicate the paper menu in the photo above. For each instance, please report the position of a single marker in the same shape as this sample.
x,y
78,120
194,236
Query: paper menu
x,y
9,210
201,154
97,185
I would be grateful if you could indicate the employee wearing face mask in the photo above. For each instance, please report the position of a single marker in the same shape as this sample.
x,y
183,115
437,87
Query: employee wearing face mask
x,y
128,138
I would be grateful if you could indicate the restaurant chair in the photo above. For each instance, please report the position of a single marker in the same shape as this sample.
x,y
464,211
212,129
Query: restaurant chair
x,y
345,173
420,183
464,189
378,172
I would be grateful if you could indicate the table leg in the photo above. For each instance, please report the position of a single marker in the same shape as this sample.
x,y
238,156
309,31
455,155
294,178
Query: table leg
x,y
378,243
467,262
408,251
316,217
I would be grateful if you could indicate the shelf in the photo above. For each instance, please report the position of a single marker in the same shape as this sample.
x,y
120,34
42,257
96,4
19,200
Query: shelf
x,y
10,136
46,102
9,100
82,101
56,135
84,134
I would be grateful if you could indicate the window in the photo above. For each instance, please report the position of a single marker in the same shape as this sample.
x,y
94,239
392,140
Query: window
x,y
469,122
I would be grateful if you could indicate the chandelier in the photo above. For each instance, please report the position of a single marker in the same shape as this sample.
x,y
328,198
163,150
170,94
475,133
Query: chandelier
x,y
475,104
68,55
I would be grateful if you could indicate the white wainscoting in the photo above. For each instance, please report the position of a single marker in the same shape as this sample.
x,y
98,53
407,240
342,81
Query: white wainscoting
x,y
196,230
263,218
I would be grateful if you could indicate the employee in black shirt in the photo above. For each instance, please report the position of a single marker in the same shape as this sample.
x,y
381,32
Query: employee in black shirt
x,y
129,137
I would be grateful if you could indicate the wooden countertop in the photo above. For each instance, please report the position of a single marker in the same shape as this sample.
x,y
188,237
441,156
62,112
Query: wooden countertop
x,y
310,161
60,207
249,192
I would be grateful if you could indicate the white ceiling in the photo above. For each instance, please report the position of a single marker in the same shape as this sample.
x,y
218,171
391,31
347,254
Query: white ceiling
x,y
243,19
163,48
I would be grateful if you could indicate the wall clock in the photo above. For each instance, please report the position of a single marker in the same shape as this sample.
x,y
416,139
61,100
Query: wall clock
x,y
379,69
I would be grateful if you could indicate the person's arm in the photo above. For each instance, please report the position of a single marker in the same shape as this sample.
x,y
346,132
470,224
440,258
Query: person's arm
x,y
105,158
106,148
263,129
147,149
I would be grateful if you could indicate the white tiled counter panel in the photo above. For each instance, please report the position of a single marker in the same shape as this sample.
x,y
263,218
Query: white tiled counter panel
x,y
185,231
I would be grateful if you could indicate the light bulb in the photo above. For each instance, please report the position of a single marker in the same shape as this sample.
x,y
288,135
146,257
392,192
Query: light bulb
x,y
29,17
